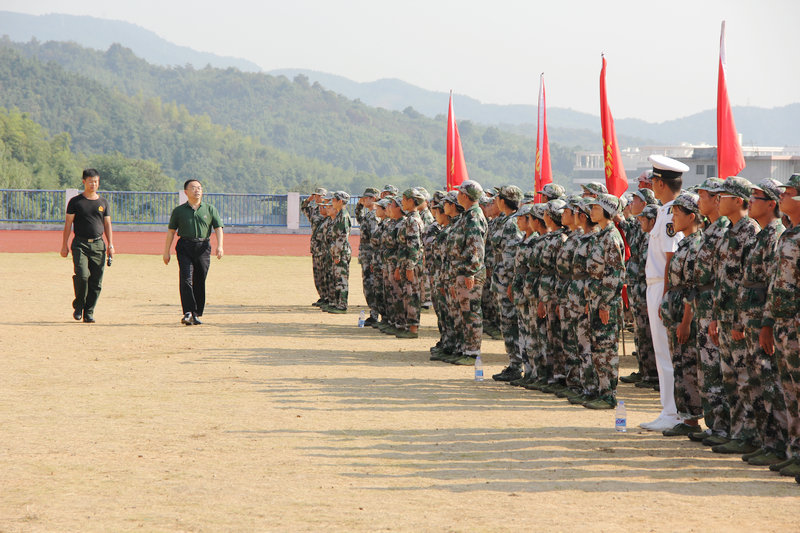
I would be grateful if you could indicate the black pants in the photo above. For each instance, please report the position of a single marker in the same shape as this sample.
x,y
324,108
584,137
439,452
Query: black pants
x,y
194,258
88,259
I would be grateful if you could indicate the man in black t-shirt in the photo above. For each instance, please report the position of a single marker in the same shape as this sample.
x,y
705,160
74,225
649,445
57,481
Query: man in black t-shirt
x,y
91,217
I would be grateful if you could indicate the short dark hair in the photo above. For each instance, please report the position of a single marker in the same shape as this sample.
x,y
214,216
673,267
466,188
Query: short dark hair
x,y
90,173
745,203
673,184
588,218
511,204
187,182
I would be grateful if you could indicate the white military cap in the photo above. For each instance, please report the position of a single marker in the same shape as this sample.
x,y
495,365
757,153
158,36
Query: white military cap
x,y
666,168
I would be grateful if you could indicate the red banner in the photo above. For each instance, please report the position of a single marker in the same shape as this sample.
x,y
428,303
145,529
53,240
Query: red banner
x,y
730,160
616,180
456,165
544,172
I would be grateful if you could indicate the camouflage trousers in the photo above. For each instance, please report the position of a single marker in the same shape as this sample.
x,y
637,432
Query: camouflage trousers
x,y
525,337
317,260
736,364
438,305
508,324
425,286
444,318
389,304
605,352
555,348
377,287
489,305
369,282
787,353
569,340
396,299
766,396
645,354
455,319
684,365
340,282
326,281
411,298
716,411
537,353
469,303
583,339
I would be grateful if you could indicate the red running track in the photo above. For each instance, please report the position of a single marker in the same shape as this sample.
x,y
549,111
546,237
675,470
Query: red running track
x,y
152,243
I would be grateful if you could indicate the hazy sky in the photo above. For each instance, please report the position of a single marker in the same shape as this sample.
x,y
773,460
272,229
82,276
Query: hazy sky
x,y
662,56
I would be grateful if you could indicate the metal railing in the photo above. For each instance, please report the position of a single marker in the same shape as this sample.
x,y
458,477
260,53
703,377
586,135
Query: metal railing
x,y
351,209
151,208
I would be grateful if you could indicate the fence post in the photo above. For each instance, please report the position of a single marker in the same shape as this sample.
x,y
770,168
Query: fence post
x,y
293,210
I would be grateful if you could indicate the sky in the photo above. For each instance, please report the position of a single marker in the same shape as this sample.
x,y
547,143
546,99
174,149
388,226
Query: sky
x,y
662,56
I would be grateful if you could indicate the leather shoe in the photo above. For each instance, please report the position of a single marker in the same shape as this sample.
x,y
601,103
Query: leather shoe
x,y
88,319
196,320
77,314
187,319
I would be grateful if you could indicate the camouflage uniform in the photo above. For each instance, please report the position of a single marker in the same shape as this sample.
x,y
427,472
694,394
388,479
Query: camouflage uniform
x,y
340,258
368,223
409,255
684,356
312,212
488,298
326,262
390,292
431,252
448,280
733,353
766,394
716,410
606,268
504,242
783,315
376,265
466,257
577,297
521,300
537,352
569,313
554,356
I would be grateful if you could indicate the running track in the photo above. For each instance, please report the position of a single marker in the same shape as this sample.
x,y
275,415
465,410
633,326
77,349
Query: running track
x,y
145,242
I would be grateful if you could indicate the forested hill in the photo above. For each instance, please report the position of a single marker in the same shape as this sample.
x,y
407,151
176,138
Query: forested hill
x,y
244,131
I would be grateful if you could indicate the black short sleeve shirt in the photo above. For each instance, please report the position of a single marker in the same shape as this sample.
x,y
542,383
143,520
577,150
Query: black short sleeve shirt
x,y
89,215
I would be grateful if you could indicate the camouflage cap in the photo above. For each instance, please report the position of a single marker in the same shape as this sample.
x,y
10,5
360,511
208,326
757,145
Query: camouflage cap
x,y
574,202
594,187
371,192
322,191
623,201
712,185
414,194
529,196
438,196
472,189
738,186
770,187
390,189
646,195
794,182
524,210
342,196
510,192
493,191
555,208
553,191
608,202
688,201
424,193
451,197
383,203
649,211
486,200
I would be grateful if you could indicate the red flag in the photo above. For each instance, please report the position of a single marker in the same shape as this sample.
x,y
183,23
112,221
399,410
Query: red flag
x,y
456,166
544,172
729,152
616,180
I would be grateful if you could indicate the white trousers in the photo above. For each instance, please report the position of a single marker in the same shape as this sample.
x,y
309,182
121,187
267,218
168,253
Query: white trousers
x,y
666,375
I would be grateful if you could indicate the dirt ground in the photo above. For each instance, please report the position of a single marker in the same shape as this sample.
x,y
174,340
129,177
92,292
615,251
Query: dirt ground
x,y
273,416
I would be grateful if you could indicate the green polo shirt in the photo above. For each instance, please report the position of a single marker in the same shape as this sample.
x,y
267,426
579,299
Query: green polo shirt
x,y
195,224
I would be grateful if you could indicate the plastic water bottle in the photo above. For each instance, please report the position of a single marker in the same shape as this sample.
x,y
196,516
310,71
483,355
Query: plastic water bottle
x,y
621,423
361,318
478,369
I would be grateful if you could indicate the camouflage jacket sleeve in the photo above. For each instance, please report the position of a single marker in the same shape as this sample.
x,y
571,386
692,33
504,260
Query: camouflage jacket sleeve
x,y
360,211
469,242
731,270
606,266
758,263
548,285
340,237
409,237
783,295
510,237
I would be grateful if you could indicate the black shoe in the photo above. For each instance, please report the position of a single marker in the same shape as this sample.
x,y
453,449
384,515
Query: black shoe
x,y
509,373
89,319
196,320
318,302
187,319
635,377
369,321
77,314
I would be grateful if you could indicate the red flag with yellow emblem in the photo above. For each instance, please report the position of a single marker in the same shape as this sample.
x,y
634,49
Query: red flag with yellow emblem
x,y
616,180
456,165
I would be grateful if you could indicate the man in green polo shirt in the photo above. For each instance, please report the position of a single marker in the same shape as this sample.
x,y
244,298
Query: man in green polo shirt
x,y
193,222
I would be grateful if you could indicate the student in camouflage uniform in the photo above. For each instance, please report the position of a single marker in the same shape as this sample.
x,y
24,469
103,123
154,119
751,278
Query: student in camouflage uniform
x,y
547,306
340,252
491,324
606,269
537,351
409,265
424,210
766,395
726,330
567,312
454,351
579,305
325,262
430,252
781,323
504,242
716,411
466,257
518,292
367,221
676,313
638,239
311,209
392,290
376,266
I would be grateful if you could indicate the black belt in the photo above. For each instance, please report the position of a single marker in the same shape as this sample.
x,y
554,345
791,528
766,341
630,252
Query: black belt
x,y
190,239
93,239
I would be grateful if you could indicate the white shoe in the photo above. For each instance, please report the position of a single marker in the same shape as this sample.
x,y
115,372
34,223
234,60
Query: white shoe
x,y
660,424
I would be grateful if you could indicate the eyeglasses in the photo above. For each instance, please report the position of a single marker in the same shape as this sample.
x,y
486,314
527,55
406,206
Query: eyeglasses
x,y
762,198
727,196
